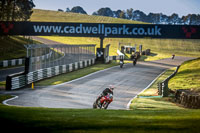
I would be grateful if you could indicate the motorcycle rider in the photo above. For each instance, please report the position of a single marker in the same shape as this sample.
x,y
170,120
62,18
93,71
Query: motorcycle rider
x,y
134,58
106,92
121,58
173,56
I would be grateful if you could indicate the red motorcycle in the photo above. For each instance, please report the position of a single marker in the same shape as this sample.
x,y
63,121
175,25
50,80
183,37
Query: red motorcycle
x,y
103,102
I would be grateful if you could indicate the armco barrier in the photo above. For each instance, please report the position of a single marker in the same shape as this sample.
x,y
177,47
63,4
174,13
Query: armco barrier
x,y
163,86
21,80
14,62
17,62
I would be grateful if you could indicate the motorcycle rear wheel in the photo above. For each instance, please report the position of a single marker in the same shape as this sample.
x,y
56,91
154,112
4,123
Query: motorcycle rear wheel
x,y
94,106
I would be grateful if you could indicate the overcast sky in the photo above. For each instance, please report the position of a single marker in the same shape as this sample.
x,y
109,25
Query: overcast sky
x,y
181,7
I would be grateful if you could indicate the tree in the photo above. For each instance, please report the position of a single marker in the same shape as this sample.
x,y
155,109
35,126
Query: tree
x,y
105,12
155,18
130,13
67,9
174,19
16,10
95,13
139,16
122,15
78,9
117,13
60,10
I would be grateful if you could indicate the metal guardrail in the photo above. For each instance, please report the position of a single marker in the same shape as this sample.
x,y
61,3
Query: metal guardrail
x,y
13,62
44,61
163,88
20,80
45,56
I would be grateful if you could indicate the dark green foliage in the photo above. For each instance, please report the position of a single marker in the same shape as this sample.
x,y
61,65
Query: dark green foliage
x,y
78,9
16,10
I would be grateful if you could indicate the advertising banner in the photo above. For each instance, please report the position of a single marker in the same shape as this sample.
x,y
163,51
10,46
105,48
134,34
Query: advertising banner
x,y
111,30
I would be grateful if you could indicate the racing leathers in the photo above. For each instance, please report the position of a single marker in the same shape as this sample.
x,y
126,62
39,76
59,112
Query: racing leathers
x,y
104,93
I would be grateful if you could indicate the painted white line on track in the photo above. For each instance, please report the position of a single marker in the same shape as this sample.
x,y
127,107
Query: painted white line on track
x,y
129,103
5,101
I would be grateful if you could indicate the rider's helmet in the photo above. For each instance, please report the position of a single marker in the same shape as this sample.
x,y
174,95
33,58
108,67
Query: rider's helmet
x,y
111,87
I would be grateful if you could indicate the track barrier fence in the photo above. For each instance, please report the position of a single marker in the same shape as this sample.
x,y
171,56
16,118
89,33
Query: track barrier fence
x,y
45,61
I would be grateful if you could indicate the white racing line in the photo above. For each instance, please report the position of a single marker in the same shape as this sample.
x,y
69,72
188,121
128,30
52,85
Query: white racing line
x,y
129,103
5,101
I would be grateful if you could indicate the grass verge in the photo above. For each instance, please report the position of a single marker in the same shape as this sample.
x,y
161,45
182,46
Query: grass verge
x,y
188,76
147,102
12,47
2,85
167,120
152,115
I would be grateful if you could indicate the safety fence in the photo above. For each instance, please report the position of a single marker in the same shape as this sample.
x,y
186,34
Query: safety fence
x,y
21,80
163,88
57,60
45,56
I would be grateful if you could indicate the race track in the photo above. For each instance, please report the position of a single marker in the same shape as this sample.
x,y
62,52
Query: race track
x,y
81,93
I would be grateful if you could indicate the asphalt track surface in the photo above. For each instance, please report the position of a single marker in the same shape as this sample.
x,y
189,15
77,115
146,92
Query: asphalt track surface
x,y
81,93
5,72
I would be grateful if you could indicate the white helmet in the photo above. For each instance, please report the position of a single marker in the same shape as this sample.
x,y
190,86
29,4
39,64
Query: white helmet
x,y
111,87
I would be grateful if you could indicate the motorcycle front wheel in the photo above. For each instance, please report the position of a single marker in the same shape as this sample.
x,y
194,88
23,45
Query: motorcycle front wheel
x,y
105,105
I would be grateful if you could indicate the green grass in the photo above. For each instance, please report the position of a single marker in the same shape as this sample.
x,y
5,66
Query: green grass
x,y
2,85
165,120
188,76
154,104
155,56
12,47
75,74
55,16
162,48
